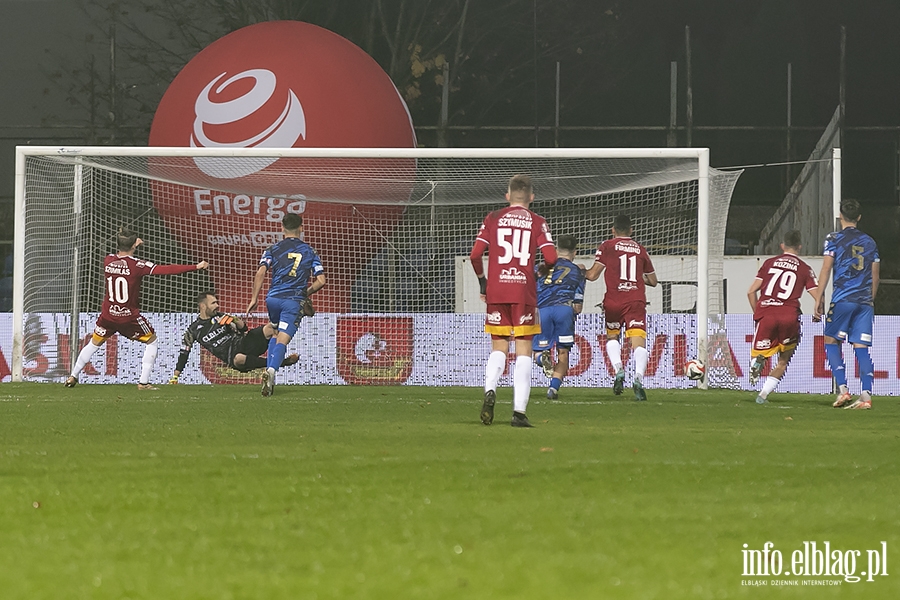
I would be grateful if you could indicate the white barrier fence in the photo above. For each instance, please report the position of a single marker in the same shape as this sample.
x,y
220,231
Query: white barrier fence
x,y
443,350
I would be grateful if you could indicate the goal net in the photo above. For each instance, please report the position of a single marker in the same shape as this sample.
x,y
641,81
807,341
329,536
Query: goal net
x,y
393,229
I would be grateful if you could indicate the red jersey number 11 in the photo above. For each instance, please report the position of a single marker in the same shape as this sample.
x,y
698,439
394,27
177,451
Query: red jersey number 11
x,y
628,267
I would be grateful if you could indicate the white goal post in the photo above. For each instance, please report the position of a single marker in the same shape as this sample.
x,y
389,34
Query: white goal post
x,y
402,216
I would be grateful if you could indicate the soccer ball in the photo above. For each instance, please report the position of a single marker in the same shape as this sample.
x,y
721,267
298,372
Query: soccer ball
x,y
694,369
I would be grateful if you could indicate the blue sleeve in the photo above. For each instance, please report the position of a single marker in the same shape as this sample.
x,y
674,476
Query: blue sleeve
x,y
579,290
317,268
267,259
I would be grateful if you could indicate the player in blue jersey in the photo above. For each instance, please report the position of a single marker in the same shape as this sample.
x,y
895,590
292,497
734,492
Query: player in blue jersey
x,y
292,262
560,296
854,257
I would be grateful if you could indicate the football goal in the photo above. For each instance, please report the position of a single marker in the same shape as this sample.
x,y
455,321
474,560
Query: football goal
x,y
393,228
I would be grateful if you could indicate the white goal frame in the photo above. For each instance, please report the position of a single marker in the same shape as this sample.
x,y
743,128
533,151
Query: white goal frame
x,y
701,155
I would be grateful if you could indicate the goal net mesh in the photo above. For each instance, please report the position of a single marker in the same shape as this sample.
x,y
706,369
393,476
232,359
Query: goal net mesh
x,y
393,235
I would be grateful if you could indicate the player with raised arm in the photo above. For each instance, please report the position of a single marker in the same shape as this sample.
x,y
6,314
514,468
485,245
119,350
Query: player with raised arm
x,y
560,297
851,314
228,338
511,236
292,262
628,270
774,297
120,312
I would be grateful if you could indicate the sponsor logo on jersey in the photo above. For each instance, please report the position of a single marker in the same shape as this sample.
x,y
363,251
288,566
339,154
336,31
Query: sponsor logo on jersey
x,y
526,319
119,311
100,331
764,344
512,275
771,302
494,318
627,286
613,325
213,334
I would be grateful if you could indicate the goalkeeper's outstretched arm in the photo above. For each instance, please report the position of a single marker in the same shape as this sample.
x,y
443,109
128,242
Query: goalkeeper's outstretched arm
x,y
187,342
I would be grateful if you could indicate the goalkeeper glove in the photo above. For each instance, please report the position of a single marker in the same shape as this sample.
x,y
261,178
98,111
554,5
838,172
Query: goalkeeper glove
x,y
223,319
173,379
308,309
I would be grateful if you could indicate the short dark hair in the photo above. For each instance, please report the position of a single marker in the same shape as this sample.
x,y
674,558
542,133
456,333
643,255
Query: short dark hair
x,y
850,210
567,242
292,222
202,296
125,239
622,224
521,183
792,239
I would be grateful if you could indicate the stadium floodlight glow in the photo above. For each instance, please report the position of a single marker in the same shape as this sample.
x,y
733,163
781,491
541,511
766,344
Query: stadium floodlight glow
x,y
389,223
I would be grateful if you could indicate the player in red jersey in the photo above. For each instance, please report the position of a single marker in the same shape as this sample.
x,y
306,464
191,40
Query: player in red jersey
x,y
512,236
780,283
120,313
628,270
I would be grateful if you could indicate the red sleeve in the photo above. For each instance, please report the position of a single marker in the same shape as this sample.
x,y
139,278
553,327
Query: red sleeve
x,y
475,256
648,264
171,269
550,255
481,244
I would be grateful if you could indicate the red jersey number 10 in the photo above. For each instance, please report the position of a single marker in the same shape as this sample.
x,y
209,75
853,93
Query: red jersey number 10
x,y
517,247
117,288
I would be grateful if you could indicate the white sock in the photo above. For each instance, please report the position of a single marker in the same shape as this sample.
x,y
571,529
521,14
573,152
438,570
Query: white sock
x,y
614,352
522,383
768,387
641,356
84,357
494,370
150,351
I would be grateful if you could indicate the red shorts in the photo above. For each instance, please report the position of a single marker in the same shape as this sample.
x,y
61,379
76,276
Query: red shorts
x,y
631,315
138,328
516,320
774,333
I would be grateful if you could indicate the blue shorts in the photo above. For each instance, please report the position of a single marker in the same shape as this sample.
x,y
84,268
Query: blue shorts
x,y
285,314
557,328
850,322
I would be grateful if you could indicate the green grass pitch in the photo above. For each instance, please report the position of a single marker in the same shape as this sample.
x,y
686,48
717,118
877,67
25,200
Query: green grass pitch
x,y
370,492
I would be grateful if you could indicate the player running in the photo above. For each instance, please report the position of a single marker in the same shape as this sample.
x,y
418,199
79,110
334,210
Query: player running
x,y
851,313
292,262
120,312
628,270
227,338
511,235
560,297
780,283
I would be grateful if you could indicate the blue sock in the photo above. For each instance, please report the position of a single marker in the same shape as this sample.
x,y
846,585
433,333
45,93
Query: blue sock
x,y
866,368
276,357
555,383
272,342
836,362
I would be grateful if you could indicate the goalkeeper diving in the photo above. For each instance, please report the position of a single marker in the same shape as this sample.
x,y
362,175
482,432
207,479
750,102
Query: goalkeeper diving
x,y
228,338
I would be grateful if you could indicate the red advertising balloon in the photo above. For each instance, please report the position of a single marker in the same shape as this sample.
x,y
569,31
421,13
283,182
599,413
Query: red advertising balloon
x,y
282,84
